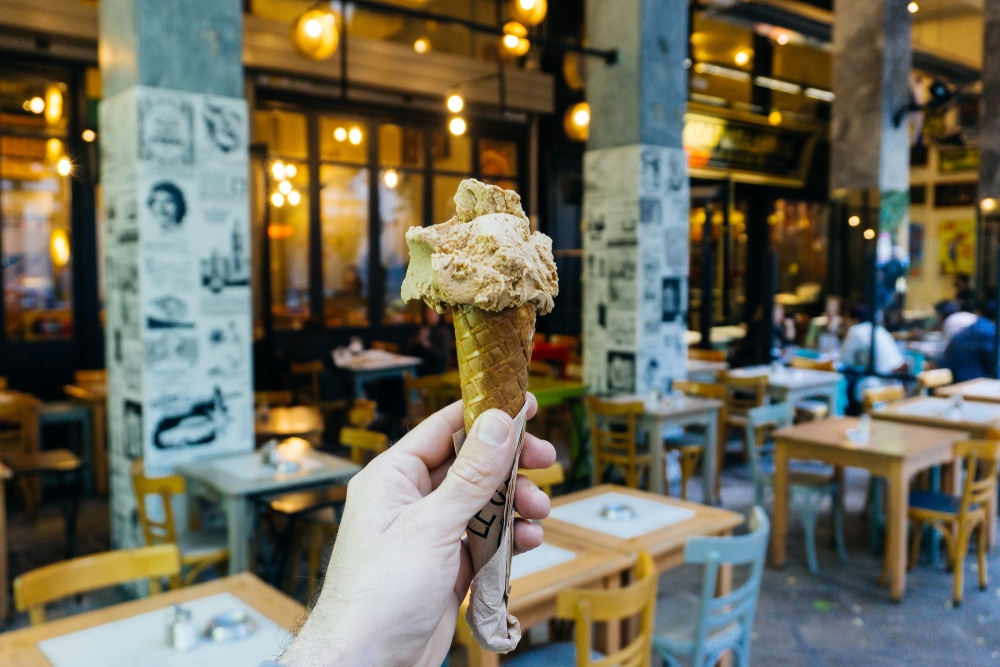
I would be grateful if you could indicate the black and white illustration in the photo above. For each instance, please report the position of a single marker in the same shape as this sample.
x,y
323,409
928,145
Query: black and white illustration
x,y
169,312
224,125
226,351
622,285
166,129
166,206
228,267
132,429
672,299
651,172
651,211
223,187
621,328
191,422
677,250
621,372
171,350
170,272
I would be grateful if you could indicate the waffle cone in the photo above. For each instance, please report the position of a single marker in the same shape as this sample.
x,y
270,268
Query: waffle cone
x,y
494,350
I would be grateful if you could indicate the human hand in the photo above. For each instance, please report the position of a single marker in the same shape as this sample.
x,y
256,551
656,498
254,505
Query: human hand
x,y
400,570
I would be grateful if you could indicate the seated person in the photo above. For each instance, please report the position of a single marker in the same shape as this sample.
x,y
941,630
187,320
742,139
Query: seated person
x,y
954,317
434,342
855,350
971,353
783,327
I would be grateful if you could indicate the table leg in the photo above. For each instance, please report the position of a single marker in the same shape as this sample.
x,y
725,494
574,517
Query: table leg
x,y
99,448
579,444
654,436
708,471
780,526
238,521
4,595
894,568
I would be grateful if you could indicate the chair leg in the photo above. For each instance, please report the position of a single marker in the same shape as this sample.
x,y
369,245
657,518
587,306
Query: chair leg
x,y
28,494
806,507
981,549
838,524
961,549
689,461
875,520
917,529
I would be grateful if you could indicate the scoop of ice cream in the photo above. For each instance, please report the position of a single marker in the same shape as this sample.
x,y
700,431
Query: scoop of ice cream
x,y
486,256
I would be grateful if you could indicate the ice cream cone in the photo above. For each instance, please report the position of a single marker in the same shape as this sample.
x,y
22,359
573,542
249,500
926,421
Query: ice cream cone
x,y
494,350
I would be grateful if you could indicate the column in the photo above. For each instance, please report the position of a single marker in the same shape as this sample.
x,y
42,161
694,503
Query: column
x,y
636,198
870,133
175,210
988,251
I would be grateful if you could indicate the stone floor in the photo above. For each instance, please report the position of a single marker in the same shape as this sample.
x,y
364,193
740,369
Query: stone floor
x,y
839,617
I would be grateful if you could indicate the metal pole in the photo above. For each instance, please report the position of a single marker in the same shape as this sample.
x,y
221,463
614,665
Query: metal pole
x,y
707,281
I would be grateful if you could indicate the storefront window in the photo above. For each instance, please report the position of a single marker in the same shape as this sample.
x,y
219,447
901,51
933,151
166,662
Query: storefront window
x,y
288,234
35,173
799,236
343,202
498,162
401,203
343,139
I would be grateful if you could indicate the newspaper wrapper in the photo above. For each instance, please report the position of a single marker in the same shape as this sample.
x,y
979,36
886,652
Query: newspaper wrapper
x,y
491,541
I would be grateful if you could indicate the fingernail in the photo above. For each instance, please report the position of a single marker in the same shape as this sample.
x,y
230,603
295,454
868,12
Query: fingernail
x,y
492,430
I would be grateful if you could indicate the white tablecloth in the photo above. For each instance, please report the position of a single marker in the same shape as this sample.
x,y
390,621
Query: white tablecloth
x,y
538,559
648,514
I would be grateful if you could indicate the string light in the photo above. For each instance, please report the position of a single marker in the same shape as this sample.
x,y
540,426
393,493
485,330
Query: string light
x,y
278,199
290,171
340,134
284,187
315,34
514,41
529,12
89,136
422,45
64,166
576,122
869,234
294,197
741,58
457,126
455,103
278,170
355,135
390,178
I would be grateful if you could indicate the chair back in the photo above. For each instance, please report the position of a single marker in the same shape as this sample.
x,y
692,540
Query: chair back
x,y
980,464
805,363
362,412
91,376
304,379
698,354
738,606
701,389
613,436
744,393
274,398
34,589
934,378
365,445
870,398
19,424
424,397
545,478
158,523
588,606
759,420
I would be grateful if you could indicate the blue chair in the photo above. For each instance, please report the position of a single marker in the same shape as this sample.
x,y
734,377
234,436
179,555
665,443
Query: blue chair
x,y
699,631
808,484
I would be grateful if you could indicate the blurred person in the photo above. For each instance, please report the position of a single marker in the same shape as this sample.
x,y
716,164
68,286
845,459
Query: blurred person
x,y
855,350
971,353
963,291
953,317
433,342
782,326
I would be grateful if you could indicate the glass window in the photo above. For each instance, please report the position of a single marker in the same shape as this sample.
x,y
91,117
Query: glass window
x,y
343,140
284,132
798,235
344,222
288,234
451,153
401,203
445,188
400,146
497,158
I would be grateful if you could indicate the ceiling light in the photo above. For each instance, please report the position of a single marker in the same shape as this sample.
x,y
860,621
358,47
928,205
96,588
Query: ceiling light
x,y
854,221
913,8
278,170
457,126
782,38
741,58
89,136
819,94
64,166
284,187
719,70
422,45
529,12
988,205
294,197
36,105
869,234
278,199
514,38
576,122
776,84
775,117
390,178
290,171
53,105
355,135
455,103
315,34
340,134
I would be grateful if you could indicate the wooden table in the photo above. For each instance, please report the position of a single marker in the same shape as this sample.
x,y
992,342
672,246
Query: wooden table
x,y
302,421
20,647
374,365
5,474
705,371
533,596
894,451
790,385
983,389
233,481
679,412
95,395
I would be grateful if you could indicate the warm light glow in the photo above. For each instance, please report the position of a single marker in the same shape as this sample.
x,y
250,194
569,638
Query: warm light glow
x,y
456,126
290,171
284,187
340,134
529,12
278,199
526,5
913,8
53,150
390,178
59,247
279,231
774,118
355,135
64,166
455,103
782,38
854,221
869,234
514,38
294,197
36,105
315,34
422,45
576,122
741,58
278,170
53,105
988,205
89,136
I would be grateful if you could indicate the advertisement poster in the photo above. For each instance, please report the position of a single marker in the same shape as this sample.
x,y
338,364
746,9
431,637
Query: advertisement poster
x,y
957,247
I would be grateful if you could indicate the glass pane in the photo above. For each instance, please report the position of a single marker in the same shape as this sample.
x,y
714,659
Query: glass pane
x,y
445,188
344,220
400,146
288,232
497,158
451,153
400,208
798,235
37,249
343,140
283,131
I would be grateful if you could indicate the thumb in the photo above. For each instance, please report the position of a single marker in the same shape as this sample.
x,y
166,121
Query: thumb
x,y
483,464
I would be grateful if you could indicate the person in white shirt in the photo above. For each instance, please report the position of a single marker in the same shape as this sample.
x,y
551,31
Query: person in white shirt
x,y
856,347
954,319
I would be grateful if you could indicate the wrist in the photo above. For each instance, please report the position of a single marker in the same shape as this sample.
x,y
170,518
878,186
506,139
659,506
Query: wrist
x,y
324,641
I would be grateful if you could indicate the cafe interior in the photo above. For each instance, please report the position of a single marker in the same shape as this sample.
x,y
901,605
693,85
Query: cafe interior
x,y
770,375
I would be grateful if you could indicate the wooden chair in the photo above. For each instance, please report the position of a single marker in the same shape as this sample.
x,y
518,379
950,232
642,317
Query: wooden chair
x,y
585,607
365,445
281,397
545,478
362,413
29,467
199,550
808,485
699,354
701,629
742,395
19,424
691,452
806,409
613,435
3,382
956,517
806,363
424,396
870,398
932,379
34,589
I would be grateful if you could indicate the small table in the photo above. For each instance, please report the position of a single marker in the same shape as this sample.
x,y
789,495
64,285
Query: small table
x,y
95,395
680,412
790,385
983,389
5,475
303,421
705,371
20,647
893,450
235,479
374,365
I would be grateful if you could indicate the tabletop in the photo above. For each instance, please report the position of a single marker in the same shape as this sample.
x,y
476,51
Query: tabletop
x,y
887,438
20,647
247,474
87,391
981,389
973,416
792,378
671,407
371,360
293,420
703,366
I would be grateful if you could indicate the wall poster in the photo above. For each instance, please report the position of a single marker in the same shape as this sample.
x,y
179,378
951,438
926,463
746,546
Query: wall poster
x,y
957,247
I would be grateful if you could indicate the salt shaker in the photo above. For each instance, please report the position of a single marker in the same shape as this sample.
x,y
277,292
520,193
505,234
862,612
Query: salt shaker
x,y
182,635
865,426
956,403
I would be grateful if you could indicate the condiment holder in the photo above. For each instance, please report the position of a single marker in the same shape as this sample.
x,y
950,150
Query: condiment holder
x,y
230,625
617,512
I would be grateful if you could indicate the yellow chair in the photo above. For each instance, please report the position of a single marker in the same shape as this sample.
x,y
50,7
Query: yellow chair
x,y
545,478
613,434
806,363
34,589
199,550
742,395
691,453
362,413
585,607
956,517
932,379
876,395
424,396
698,354
365,445
810,409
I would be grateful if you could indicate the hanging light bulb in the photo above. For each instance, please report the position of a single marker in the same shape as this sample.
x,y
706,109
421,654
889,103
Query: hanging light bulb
x,y
89,136
278,170
340,134
315,34
278,199
36,105
64,166
529,12
355,135
284,187
514,41
422,45
290,171
455,103
457,126
390,178
576,122
294,197
59,247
